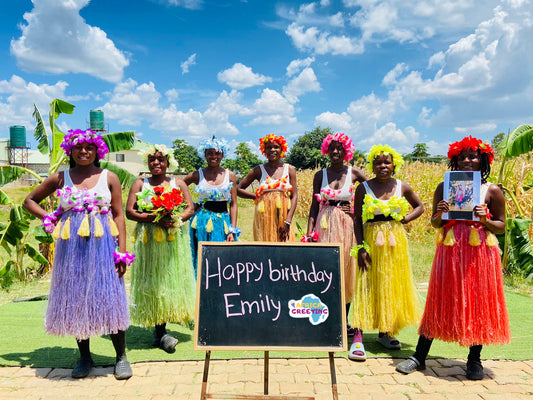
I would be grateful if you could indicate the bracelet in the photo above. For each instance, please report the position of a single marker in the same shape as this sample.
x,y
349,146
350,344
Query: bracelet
x,y
287,223
126,257
49,219
355,250
236,231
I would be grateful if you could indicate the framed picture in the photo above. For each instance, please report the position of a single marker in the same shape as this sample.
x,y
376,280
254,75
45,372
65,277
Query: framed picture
x,y
462,192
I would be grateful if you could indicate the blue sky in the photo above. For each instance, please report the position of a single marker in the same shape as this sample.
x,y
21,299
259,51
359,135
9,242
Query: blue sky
x,y
382,71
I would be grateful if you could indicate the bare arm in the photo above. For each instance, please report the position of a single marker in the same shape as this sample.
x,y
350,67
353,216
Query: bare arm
x,y
233,206
132,211
41,192
313,210
496,206
440,206
414,200
193,177
189,211
253,175
363,258
358,175
118,217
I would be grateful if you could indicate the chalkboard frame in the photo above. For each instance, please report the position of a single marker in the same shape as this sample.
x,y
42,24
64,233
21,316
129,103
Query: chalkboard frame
x,y
336,248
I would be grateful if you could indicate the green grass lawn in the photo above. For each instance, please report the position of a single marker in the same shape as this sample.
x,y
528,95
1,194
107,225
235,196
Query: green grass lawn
x,y
23,341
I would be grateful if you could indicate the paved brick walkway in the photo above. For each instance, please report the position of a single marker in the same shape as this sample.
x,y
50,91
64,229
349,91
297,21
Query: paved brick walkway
x,y
373,379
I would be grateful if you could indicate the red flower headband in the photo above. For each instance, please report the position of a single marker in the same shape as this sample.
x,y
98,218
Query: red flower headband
x,y
470,143
273,138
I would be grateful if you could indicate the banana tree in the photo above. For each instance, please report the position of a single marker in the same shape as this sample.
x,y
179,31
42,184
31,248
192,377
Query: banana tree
x,y
518,251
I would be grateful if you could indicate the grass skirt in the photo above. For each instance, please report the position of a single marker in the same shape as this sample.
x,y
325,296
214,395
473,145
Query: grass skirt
x,y
270,213
86,296
385,295
465,301
200,225
162,280
335,226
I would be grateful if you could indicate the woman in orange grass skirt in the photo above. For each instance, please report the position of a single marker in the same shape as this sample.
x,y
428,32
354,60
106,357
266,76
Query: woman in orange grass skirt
x,y
465,301
277,194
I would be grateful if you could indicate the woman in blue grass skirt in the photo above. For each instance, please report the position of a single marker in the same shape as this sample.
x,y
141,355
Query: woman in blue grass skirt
x,y
162,280
217,189
87,296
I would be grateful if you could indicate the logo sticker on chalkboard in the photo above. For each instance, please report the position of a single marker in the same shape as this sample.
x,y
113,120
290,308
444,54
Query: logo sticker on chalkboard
x,y
309,306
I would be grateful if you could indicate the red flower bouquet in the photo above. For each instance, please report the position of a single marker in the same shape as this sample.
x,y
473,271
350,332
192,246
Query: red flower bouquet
x,y
167,203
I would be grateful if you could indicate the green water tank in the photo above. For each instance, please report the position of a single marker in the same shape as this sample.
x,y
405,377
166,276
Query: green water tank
x,y
17,136
96,118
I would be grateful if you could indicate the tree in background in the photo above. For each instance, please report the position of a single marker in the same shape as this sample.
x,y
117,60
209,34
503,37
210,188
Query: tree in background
x,y
243,162
498,142
186,156
420,152
305,152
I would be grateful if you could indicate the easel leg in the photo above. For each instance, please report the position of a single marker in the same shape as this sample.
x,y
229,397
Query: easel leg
x,y
333,376
206,373
266,373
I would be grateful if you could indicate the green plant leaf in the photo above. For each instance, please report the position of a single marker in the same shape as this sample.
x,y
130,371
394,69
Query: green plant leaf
x,y
119,141
6,268
35,254
10,173
58,106
4,198
40,133
41,235
19,223
125,177
520,141
520,250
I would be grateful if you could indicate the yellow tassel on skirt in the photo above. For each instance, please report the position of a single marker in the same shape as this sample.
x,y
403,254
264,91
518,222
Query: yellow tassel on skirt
x,y
324,222
268,218
84,229
98,228
440,236
491,239
193,223
56,231
159,234
385,295
474,239
65,232
113,227
450,238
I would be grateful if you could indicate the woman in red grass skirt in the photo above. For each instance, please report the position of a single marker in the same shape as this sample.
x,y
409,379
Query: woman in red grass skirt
x,y
465,301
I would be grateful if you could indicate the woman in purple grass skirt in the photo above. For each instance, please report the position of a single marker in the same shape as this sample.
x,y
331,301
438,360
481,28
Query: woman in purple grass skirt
x,y
87,295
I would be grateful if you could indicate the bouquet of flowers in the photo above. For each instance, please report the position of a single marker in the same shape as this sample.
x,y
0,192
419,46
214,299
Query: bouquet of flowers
x,y
166,202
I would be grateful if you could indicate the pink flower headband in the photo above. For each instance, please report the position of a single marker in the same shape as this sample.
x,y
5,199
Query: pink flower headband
x,y
75,137
346,142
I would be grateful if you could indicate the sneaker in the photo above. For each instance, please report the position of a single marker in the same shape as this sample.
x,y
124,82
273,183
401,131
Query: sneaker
x,y
410,365
474,370
168,343
122,370
82,368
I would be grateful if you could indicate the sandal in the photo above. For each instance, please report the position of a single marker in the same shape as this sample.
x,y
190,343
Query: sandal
x,y
122,370
357,352
389,342
168,343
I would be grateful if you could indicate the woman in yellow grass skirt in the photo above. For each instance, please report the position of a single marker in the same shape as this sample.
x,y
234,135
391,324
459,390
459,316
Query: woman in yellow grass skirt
x,y
465,301
385,294
277,194
162,279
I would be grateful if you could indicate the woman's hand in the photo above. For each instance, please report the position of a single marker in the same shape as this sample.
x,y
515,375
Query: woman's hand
x,y
121,269
347,209
443,207
166,222
283,232
230,237
481,211
363,260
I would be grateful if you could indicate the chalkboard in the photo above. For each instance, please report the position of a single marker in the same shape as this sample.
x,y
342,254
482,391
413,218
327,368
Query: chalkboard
x,y
270,296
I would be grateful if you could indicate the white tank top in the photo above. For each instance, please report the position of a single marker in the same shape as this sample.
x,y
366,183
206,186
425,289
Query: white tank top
x,y
208,192
345,193
99,192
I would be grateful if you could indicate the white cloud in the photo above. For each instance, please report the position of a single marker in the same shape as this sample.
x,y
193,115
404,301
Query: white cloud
x,y
130,103
56,39
338,122
172,94
313,40
476,129
272,109
390,134
185,65
305,82
17,98
190,4
241,77
337,20
296,65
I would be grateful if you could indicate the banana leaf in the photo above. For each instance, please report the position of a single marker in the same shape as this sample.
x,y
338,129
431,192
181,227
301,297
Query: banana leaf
x,y
34,254
6,268
125,177
58,106
4,198
41,235
19,223
119,141
520,250
10,173
40,133
519,141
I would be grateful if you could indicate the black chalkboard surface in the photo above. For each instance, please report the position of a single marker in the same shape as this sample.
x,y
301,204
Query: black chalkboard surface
x,y
263,296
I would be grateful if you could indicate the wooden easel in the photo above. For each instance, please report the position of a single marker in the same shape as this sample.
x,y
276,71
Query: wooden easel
x,y
204,395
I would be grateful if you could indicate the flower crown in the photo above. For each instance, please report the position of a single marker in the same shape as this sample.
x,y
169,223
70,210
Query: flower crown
x,y
377,150
346,142
470,143
159,148
213,143
273,138
75,137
